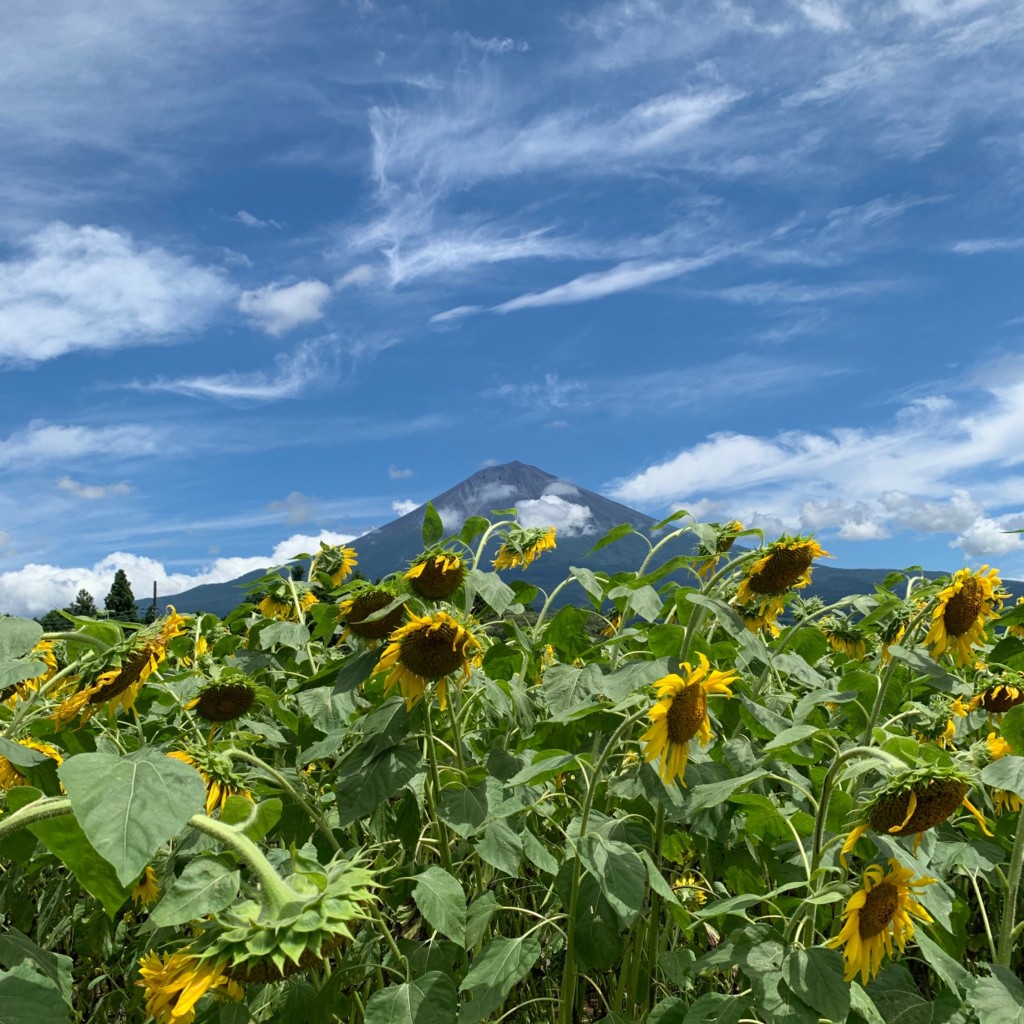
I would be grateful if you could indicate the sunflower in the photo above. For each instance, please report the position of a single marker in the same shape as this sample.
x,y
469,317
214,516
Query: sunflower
x,y
1017,630
427,647
334,561
914,802
937,723
277,606
522,545
892,633
962,611
725,537
119,685
42,652
877,914
222,782
146,889
175,983
755,620
436,575
844,637
785,566
1003,799
614,622
681,714
689,890
10,773
998,698
357,609
222,702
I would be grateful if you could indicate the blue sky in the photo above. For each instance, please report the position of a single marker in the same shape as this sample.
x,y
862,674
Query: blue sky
x,y
274,270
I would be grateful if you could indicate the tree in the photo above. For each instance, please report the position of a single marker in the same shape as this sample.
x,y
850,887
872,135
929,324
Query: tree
x,y
120,602
83,604
54,622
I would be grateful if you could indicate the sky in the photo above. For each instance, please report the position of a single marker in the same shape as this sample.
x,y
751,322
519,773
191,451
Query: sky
x,y
274,272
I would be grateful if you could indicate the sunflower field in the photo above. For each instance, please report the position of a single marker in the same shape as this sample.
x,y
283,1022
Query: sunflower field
x,y
680,795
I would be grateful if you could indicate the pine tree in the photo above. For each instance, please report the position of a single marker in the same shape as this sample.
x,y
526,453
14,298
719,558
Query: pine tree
x,y
83,604
120,602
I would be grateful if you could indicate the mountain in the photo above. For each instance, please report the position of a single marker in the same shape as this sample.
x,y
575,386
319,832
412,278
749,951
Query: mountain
x,y
581,516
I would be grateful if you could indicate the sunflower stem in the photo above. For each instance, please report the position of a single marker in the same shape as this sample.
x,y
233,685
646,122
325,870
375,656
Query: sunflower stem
x,y
547,604
567,995
275,893
1004,950
33,813
654,923
443,840
984,915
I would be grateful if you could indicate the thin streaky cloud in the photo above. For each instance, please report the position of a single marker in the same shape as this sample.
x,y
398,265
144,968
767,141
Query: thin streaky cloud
x,y
976,246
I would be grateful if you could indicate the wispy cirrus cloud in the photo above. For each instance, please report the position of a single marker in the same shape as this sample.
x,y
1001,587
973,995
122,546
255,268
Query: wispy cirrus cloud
x,y
41,442
94,492
976,246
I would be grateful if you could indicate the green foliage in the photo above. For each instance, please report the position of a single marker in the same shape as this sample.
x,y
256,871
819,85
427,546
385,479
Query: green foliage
x,y
120,601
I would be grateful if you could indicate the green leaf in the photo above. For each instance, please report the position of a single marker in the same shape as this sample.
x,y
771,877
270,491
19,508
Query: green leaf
x,y
671,1010
464,808
998,997
433,528
816,976
898,1000
567,631
284,634
645,601
564,687
1006,773
355,670
547,765
30,998
714,793
588,581
619,872
16,948
430,999
717,1008
953,973
364,788
129,806
788,737
472,528
18,637
501,847
442,901
204,887
478,917
500,966
537,853
1012,728
614,534
492,588
259,820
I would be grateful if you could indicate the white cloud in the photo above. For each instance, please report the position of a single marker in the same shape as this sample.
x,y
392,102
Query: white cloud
x,y
568,518
298,507
456,313
404,506
93,288
824,14
252,221
36,588
94,492
975,246
312,364
43,442
277,308
357,277
394,473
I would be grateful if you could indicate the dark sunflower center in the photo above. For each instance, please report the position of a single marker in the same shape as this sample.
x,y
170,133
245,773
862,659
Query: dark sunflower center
x,y
686,712
936,801
879,909
784,568
963,608
367,604
999,699
130,672
434,652
435,581
224,703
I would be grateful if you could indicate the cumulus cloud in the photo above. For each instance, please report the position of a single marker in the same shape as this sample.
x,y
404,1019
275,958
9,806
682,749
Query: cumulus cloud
x,y
36,588
93,492
568,518
250,220
277,308
404,506
73,289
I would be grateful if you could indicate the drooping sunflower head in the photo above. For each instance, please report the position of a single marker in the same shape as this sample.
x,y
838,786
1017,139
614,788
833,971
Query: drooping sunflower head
x,y
1004,800
333,562
892,633
279,603
784,567
428,647
436,575
128,665
147,888
914,801
681,715
756,619
879,914
328,902
936,722
522,545
844,637
360,613
219,774
175,983
11,774
224,699
998,698
44,655
718,543
962,611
